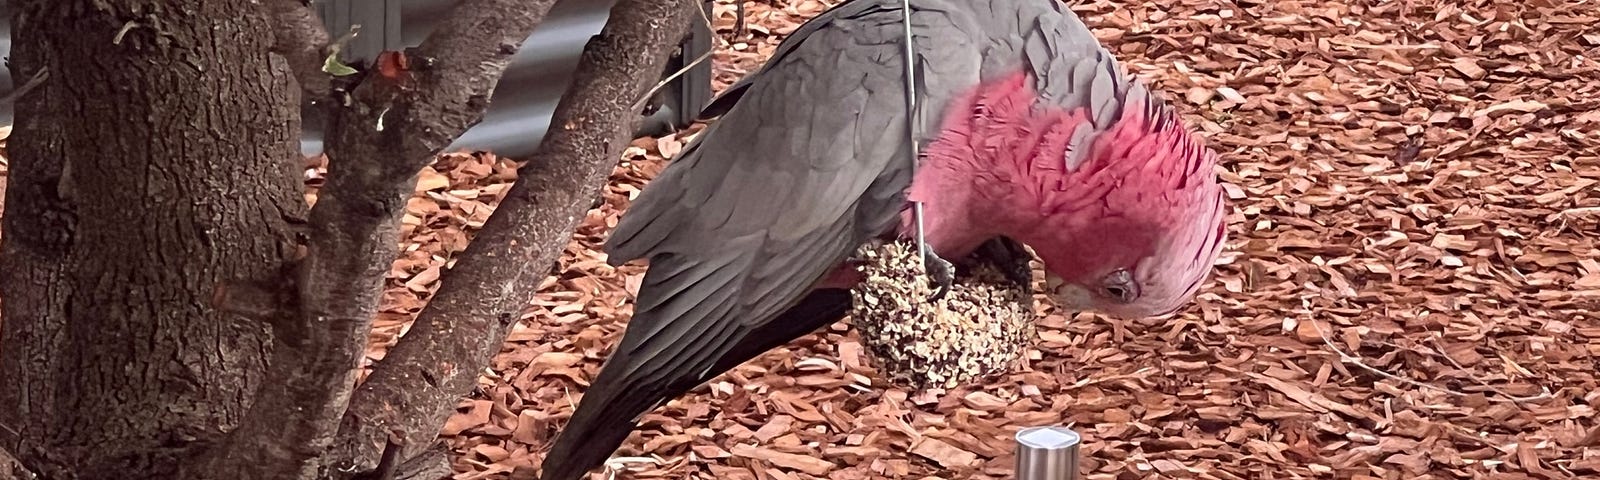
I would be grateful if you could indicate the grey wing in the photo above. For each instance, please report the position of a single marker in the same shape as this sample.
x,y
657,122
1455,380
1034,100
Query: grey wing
x,y
724,101
809,161
808,164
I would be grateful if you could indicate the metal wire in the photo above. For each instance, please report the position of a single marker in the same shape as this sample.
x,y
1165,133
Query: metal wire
x,y
913,125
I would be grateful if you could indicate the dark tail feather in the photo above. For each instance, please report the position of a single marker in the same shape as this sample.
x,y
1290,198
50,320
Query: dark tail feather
x,y
608,410
816,310
603,420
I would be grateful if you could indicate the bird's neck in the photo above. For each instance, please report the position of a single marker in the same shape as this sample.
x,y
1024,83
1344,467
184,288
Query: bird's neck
x,y
1023,187
977,178
970,196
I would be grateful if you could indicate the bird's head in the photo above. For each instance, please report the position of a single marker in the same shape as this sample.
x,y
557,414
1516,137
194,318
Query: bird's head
x,y
1136,227
1116,196
1131,270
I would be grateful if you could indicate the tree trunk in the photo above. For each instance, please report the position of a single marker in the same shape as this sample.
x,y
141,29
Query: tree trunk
x,y
158,161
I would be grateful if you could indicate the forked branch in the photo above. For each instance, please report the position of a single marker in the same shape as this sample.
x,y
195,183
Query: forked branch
x,y
388,123
302,40
418,384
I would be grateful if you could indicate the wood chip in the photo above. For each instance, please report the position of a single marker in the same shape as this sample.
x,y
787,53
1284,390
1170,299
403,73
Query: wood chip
x,y
1419,178
804,463
944,454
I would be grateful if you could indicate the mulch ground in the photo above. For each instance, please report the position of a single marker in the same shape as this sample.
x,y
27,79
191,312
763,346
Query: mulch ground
x,y
1409,289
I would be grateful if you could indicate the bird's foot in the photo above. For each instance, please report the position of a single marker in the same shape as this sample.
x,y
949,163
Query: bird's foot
x,y
1011,259
942,272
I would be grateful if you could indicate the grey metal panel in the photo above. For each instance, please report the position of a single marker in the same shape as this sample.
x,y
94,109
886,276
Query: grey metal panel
x,y
520,109
523,102
380,22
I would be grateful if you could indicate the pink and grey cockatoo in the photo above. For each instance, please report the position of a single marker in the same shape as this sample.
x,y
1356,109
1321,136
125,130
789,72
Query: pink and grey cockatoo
x,y
1033,133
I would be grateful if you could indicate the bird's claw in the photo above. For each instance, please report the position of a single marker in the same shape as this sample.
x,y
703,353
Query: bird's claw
x,y
1012,261
942,272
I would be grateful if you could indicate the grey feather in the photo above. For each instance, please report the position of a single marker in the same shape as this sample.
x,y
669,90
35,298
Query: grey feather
x,y
807,161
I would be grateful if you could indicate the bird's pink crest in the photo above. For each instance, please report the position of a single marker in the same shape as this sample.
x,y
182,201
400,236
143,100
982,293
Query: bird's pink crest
x,y
1138,196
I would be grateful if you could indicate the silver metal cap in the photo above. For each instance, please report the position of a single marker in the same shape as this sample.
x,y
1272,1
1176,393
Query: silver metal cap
x,y
1047,453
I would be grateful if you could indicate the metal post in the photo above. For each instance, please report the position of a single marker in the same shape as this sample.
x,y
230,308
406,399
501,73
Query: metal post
x,y
1047,453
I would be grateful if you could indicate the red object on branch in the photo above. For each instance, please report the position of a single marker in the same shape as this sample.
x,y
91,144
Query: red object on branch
x,y
392,64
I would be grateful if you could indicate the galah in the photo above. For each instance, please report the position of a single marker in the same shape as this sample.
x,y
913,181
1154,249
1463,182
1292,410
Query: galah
x,y
1031,132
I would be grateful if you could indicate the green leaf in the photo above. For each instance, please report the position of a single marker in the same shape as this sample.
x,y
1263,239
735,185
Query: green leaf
x,y
332,66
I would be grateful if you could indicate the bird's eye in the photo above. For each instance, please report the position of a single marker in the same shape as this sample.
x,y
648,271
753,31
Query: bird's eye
x,y
1120,286
1117,293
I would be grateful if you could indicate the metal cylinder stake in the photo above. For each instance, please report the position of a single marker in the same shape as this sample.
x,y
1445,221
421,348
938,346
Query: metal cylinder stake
x,y
1047,453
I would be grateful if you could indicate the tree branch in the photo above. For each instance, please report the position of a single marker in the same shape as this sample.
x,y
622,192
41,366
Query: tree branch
x,y
35,258
389,463
432,464
302,40
12,469
393,121
420,381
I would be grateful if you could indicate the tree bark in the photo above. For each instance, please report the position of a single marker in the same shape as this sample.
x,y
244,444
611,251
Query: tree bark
x,y
37,225
11,469
159,160
403,111
158,254
420,381
298,35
